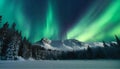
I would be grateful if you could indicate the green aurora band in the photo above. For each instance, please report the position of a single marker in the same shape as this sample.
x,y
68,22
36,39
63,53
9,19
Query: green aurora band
x,y
15,14
98,29
51,27
95,24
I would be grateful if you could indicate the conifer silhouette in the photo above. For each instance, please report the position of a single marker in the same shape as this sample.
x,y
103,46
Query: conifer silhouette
x,y
117,39
0,19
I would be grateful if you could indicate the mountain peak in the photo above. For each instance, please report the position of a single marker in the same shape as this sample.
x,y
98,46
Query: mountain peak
x,y
67,44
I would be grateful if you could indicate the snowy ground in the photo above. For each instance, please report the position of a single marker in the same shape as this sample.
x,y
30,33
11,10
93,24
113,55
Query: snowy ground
x,y
61,64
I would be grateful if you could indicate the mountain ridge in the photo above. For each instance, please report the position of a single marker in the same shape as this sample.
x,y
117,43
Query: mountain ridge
x,y
68,44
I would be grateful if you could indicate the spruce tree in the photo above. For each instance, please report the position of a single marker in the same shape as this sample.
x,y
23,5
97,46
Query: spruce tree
x,y
117,39
13,26
104,44
0,19
89,53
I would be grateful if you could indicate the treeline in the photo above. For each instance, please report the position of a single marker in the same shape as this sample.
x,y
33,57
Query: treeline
x,y
109,51
13,45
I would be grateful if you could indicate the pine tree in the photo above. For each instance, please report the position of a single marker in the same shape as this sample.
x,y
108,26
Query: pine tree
x,y
0,19
1,46
13,26
104,44
5,26
117,39
13,47
26,48
4,36
89,53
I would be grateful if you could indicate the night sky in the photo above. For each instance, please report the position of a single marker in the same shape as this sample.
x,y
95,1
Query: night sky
x,y
84,20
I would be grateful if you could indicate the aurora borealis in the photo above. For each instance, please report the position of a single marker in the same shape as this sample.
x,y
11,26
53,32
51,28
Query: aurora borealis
x,y
84,20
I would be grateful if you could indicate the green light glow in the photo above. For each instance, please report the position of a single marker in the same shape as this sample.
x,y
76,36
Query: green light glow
x,y
100,21
1,4
82,23
51,28
98,26
14,13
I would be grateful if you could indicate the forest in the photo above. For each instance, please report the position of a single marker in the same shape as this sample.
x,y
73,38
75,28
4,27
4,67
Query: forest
x,y
14,45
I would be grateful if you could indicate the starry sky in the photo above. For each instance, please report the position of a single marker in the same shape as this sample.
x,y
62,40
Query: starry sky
x,y
84,20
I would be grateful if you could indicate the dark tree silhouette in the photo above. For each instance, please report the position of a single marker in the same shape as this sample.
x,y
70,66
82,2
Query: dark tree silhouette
x,y
100,54
89,53
13,26
104,44
0,19
117,39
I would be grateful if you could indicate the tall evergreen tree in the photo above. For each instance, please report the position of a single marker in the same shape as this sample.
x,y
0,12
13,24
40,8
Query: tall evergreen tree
x,y
1,46
13,26
0,19
117,39
104,44
89,53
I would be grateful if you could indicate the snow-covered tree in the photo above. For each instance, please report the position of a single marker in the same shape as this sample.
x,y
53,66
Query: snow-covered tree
x,y
1,45
13,47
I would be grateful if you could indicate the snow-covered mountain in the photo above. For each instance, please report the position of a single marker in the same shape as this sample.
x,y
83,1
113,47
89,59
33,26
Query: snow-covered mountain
x,y
68,44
